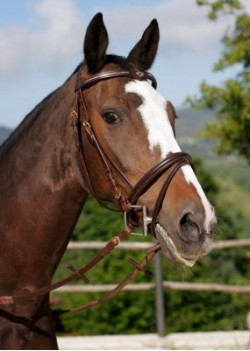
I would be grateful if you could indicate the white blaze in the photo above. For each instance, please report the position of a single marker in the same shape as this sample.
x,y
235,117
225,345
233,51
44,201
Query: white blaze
x,y
160,134
154,115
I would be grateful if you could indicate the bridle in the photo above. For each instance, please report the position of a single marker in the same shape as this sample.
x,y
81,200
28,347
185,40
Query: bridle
x,y
127,204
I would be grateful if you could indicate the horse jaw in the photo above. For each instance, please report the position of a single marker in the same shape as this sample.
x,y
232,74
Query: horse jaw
x,y
169,249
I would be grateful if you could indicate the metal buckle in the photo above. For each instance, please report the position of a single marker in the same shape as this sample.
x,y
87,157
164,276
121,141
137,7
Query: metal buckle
x,y
146,220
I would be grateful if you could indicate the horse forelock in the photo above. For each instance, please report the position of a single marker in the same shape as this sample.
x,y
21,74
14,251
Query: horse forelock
x,y
120,61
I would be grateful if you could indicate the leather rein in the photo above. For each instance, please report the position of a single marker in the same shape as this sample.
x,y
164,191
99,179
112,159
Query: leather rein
x,y
127,204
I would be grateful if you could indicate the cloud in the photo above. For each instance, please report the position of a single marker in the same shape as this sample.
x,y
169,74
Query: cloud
x,y
52,39
183,25
61,34
49,40
13,48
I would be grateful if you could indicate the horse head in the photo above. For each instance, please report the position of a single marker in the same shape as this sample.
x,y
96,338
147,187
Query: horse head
x,y
130,132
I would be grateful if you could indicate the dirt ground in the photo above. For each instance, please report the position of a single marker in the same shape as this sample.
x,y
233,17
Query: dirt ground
x,y
231,340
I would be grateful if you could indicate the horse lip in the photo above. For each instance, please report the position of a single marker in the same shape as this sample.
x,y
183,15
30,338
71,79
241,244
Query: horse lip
x,y
167,243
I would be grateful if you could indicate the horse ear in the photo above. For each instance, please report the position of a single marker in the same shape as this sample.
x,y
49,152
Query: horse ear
x,y
95,43
143,53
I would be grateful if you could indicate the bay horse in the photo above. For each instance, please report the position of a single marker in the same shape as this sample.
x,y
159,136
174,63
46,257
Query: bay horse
x,y
119,145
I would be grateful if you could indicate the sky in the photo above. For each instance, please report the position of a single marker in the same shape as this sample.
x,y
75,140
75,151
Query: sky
x,y
41,44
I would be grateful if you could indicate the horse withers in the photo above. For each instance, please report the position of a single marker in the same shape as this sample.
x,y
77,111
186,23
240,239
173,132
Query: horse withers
x,y
121,148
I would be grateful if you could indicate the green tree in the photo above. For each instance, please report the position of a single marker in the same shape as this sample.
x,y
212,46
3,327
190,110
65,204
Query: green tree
x,y
230,100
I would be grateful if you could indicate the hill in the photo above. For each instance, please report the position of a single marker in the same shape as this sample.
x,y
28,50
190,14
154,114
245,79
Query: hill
x,y
4,133
188,127
231,172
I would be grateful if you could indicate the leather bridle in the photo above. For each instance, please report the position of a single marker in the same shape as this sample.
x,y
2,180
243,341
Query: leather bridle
x,y
127,204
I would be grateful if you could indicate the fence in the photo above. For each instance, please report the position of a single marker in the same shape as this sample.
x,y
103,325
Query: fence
x,y
159,285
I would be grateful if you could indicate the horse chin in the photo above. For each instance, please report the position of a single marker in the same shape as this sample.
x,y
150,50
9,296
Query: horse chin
x,y
169,249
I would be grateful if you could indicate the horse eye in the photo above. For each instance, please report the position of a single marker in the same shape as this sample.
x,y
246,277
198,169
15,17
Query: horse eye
x,y
111,117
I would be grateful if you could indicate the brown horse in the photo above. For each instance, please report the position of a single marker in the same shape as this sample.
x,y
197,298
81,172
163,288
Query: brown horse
x,y
47,169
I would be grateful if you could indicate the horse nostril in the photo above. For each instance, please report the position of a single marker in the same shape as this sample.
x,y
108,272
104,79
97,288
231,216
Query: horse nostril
x,y
189,230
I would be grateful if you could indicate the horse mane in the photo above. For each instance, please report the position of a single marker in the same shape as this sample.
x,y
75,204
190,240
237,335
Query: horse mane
x,y
119,60
30,118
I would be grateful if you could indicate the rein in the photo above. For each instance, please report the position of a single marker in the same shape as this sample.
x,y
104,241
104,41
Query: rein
x,y
127,204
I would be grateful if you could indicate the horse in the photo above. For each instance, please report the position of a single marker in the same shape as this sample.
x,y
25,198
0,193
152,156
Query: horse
x,y
105,131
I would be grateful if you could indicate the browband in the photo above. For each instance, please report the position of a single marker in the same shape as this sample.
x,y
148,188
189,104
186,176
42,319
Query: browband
x,y
134,74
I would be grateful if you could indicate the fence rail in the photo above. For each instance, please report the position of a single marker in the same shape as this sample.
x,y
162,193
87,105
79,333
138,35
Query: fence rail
x,y
223,244
159,285
172,285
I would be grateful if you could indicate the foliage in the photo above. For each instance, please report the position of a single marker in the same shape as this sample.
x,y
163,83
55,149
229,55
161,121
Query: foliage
x,y
216,6
134,312
230,100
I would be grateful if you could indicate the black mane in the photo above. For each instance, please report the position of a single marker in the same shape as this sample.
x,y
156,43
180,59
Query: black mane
x,y
119,60
116,59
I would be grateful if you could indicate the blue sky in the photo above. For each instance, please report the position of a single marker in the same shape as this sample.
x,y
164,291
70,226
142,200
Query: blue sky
x,y
41,44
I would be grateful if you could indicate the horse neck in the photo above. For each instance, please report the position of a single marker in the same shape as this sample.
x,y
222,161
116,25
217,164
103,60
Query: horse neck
x,y
41,194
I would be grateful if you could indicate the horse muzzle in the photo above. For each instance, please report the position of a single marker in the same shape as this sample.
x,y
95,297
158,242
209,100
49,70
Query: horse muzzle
x,y
181,251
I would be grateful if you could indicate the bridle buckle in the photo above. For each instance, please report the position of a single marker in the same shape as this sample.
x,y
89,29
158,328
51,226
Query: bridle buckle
x,y
145,219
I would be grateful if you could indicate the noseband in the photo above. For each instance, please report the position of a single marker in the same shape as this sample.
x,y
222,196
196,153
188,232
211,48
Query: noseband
x,y
128,204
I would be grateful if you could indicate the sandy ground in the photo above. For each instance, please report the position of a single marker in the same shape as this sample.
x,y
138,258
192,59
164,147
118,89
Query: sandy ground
x,y
231,340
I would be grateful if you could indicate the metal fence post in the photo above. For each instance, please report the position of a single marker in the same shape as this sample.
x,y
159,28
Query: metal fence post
x,y
159,293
